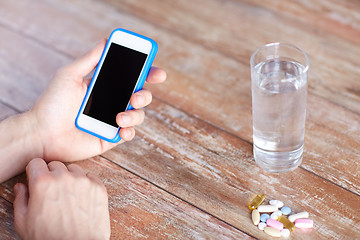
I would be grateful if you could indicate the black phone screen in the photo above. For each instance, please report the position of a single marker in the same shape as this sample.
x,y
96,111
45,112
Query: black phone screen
x,y
115,83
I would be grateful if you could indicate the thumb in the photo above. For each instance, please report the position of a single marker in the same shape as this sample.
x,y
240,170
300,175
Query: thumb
x,y
20,206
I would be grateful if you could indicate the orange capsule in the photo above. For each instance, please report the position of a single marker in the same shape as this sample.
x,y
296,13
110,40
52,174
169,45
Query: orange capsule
x,y
257,200
287,223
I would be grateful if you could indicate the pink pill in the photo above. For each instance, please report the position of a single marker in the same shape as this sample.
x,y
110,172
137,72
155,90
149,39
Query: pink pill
x,y
304,223
274,224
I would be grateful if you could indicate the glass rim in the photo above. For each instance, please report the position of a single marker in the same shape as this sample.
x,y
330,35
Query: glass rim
x,y
307,60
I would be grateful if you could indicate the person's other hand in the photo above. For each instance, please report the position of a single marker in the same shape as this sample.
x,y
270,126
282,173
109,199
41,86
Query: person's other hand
x,y
56,110
61,203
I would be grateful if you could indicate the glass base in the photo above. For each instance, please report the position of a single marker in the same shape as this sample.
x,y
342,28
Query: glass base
x,y
278,162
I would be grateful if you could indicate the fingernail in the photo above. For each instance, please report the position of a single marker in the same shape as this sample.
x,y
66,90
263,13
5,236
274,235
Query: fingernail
x,y
140,99
126,135
125,119
16,189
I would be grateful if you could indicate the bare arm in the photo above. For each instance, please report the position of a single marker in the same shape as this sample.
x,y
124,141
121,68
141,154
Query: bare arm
x,y
19,143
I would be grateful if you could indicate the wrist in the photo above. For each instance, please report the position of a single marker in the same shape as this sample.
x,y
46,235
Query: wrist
x,y
32,138
20,143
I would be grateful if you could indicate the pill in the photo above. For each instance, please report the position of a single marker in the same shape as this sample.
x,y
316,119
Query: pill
x,y
264,217
257,200
277,203
267,208
286,222
304,223
255,216
276,214
274,224
262,226
293,217
272,231
285,232
286,210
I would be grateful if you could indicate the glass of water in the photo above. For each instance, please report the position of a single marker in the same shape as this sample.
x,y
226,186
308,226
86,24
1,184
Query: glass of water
x,y
279,90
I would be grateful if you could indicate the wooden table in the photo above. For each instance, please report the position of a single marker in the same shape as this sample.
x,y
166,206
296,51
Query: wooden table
x,y
189,172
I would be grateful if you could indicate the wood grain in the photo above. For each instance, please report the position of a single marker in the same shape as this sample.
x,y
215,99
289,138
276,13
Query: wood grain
x,y
341,19
7,230
140,210
195,96
216,171
228,27
26,68
6,111
190,172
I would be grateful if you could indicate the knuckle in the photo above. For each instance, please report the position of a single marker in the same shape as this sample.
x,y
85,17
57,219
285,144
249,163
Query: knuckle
x,y
148,95
149,98
41,182
131,134
138,116
141,117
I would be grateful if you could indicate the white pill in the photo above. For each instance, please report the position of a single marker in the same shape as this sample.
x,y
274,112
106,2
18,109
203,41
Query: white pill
x,y
276,214
262,226
304,223
272,232
255,216
277,203
267,208
285,232
293,217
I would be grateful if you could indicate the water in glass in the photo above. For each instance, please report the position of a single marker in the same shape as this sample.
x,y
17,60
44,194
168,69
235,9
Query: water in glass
x,y
279,109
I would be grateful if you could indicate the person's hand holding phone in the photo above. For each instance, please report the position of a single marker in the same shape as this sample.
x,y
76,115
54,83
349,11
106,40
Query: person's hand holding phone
x,y
61,202
54,113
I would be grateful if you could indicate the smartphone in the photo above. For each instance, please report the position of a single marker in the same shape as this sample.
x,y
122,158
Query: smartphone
x,y
121,71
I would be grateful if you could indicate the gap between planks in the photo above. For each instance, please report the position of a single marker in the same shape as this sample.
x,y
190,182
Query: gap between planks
x,y
8,105
1,197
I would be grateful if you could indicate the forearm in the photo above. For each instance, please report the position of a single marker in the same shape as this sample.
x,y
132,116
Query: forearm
x,y
19,143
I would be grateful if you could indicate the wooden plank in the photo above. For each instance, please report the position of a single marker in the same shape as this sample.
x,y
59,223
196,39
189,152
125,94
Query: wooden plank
x,y
26,67
340,18
6,111
187,89
332,144
7,230
7,188
215,171
140,210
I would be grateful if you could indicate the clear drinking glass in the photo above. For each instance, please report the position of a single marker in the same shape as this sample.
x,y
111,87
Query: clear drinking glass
x,y
279,90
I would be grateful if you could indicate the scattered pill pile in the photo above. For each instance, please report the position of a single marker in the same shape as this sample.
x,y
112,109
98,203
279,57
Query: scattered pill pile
x,y
275,219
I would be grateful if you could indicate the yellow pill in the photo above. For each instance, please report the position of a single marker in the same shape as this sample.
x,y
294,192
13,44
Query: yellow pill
x,y
258,199
287,223
272,232
255,216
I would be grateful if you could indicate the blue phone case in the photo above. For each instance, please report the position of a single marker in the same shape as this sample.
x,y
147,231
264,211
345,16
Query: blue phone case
x,y
138,87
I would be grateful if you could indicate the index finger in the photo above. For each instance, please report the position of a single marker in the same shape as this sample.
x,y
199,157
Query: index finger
x,y
156,75
36,168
